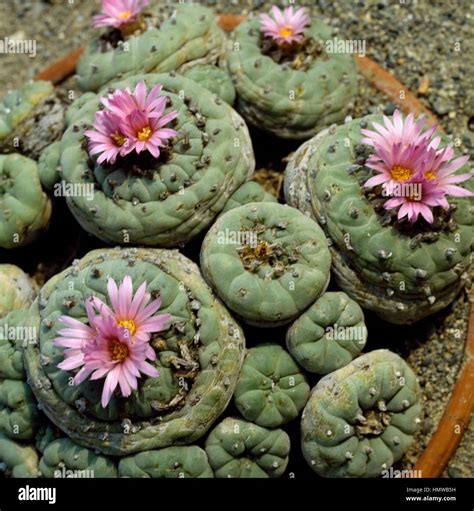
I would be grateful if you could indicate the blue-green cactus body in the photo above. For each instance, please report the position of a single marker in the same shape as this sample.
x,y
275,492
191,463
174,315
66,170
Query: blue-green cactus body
x,y
16,459
240,449
402,273
294,98
271,389
248,192
178,197
361,419
199,355
214,79
328,335
190,37
266,261
169,463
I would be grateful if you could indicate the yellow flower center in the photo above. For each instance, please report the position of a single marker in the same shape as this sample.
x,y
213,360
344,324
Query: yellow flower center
x,y
401,173
118,350
145,133
118,138
430,175
125,15
129,325
286,31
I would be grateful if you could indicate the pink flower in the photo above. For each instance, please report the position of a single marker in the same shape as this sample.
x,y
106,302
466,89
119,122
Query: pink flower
x,y
116,356
118,12
285,27
133,313
147,133
75,337
122,102
411,206
130,122
106,137
397,131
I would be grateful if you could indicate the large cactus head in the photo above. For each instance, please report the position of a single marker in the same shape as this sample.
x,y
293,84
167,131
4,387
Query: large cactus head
x,y
198,355
18,289
402,267
151,42
165,200
292,88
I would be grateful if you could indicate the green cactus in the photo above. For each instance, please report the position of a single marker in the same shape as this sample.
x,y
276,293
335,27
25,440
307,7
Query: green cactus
x,y
13,333
294,97
64,458
25,209
19,415
360,419
170,463
17,460
267,262
190,37
46,434
178,198
403,275
214,79
18,289
271,389
240,449
328,335
48,166
199,356
248,192
31,118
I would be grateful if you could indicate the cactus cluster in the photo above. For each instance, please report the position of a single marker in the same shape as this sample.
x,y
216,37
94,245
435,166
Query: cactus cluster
x,y
360,419
167,201
291,91
159,44
404,274
198,356
268,262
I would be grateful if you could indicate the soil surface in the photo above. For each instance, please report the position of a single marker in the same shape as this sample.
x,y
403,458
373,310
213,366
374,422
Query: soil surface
x,y
426,44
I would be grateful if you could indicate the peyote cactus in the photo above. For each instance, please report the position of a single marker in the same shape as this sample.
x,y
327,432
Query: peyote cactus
x,y
31,118
328,335
19,415
214,79
271,389
248,192
154,43
18,289
199,355
13,334
48,166
290,89
170,463
360,419
240,449
403,270
17,460
25,209
266,261
63,458
168,200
